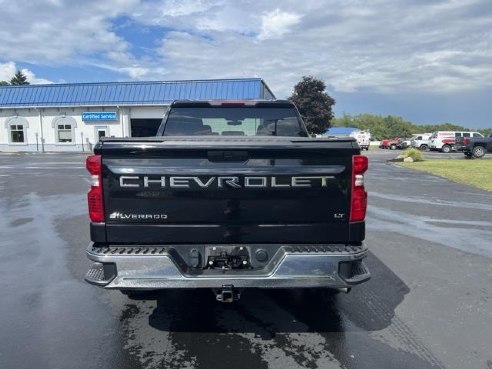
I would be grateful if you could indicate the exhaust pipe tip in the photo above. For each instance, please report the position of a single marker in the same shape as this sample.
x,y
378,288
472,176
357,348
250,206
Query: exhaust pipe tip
x,y
345,290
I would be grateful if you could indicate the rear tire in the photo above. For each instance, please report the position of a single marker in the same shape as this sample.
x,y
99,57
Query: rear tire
x,y
446,149
424,148
393,147
478,151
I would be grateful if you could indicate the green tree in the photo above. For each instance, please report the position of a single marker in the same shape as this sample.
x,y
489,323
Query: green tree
x,y
376,124
19,79
393,126
485,131
398,127
4,83
314,104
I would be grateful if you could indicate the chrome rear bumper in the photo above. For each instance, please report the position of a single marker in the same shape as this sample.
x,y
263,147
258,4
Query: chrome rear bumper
x,y
293,266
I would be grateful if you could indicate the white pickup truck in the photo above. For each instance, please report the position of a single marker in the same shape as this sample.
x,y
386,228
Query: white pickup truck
x,y
421,141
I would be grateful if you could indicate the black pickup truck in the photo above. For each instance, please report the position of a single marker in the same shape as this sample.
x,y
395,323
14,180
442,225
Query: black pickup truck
x,y
474,146
227,196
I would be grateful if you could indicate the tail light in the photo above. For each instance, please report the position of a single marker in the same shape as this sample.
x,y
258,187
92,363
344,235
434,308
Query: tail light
x,y
358,203
95,196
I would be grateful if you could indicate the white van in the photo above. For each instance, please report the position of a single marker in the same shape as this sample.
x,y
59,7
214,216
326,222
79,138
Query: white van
x,y
363,139
444,140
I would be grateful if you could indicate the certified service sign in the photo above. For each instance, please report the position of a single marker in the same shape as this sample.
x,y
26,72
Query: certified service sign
x,y
96,116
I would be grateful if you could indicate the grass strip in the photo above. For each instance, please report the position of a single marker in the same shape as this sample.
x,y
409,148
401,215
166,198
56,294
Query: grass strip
x,y
473,172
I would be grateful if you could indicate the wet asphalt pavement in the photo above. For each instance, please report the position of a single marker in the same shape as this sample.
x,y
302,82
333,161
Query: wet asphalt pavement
x,y
428,304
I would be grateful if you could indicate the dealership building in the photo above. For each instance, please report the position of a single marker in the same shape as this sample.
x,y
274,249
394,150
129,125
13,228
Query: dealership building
x,y
73,117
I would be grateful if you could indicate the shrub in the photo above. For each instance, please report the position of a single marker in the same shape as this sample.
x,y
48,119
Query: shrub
x,y
413,153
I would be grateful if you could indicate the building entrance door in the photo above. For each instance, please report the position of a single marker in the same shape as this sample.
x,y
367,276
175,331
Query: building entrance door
x,y
100,132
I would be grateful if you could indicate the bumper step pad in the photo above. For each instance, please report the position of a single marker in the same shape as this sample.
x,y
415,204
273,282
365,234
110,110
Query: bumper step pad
x,y
354,272
159,251
100,274
122,250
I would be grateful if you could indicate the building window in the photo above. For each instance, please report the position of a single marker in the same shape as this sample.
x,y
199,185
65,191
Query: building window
x,y
64,128
17,133
16,130
64,133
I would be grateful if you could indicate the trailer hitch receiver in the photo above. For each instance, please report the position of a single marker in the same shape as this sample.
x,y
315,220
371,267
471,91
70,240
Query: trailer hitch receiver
x,y
227,294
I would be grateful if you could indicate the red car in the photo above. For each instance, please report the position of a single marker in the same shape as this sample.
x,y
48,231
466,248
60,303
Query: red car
x,y
389,143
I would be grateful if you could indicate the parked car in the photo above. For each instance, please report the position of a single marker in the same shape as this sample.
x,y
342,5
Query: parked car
x,y
445,140
401,144
389,143
383,143
398,143
476,146
421,141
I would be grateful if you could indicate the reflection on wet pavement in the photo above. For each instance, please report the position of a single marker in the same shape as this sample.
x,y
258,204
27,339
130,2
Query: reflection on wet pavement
x,y
276,329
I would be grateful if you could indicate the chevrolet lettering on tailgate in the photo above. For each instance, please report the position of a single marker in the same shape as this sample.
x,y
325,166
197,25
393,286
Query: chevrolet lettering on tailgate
x,y
224,181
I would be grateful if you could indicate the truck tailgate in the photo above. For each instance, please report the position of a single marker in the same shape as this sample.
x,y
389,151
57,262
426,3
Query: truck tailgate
x,y
182,190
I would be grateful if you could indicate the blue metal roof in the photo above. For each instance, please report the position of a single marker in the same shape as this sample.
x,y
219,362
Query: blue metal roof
x,y
340,131
132,93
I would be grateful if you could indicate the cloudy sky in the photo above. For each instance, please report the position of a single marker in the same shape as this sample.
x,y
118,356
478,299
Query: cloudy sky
x,y
429,61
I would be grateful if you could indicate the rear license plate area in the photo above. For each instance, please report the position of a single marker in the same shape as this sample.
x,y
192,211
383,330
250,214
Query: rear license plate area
x,y
227,257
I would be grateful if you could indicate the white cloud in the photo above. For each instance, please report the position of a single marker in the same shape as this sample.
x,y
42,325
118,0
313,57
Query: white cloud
x,y
277,23
177,8
135,72
52,32
32,79
8,69
383,46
